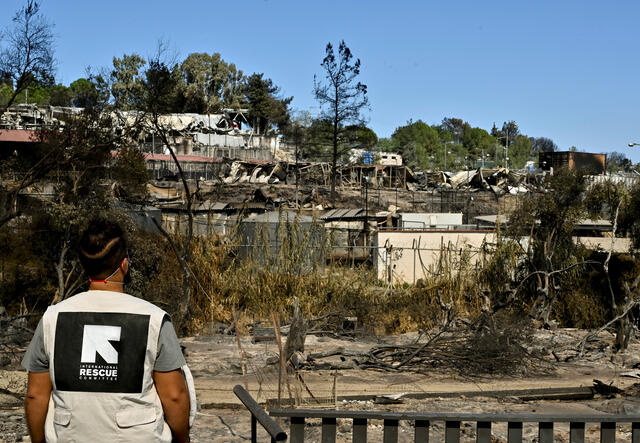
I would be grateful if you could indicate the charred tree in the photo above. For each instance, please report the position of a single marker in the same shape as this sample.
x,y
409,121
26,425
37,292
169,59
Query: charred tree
x,y
342,98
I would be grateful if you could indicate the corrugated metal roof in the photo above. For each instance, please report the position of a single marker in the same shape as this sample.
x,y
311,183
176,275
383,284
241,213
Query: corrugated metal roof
x,y
336,214
211,206
278,216
583,223
219,206
492,218
182,158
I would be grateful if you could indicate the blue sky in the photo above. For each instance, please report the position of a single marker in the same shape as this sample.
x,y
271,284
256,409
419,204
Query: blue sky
x,y
565,69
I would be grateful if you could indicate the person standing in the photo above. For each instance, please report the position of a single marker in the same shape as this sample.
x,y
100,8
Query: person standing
x,y
105,366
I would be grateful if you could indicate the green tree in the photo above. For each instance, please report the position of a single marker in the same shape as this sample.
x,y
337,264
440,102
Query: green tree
x,y
477,141
617,161
266,109
75,157
386,144
419,144
629,221
456,127
342,98
130,172
360,137
60,95
510,131
318,146
126,81
297,133
159,90
27,57
84,93
495,132
34,94
552,257
519,151
542,144
614,202
209,84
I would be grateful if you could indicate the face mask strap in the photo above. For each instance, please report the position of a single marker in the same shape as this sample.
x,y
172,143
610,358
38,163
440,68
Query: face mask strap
x,y
106,280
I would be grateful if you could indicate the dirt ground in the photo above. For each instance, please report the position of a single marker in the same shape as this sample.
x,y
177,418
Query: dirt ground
x,y
217,367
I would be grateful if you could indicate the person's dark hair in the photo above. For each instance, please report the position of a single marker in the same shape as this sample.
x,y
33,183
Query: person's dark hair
x,y
102,248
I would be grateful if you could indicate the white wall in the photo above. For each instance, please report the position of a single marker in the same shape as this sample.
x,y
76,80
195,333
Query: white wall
x,y
406,256
422,220
621,245
390,158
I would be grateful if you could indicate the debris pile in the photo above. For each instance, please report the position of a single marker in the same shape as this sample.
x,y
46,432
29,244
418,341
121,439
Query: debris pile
x,y
486,347
245,172
14,338
30,116
499,181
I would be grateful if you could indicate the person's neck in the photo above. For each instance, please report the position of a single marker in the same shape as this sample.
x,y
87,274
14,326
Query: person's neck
x,y
108,286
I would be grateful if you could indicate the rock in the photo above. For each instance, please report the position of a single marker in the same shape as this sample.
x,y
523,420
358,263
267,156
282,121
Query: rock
x,y
631,408
345,425
4,361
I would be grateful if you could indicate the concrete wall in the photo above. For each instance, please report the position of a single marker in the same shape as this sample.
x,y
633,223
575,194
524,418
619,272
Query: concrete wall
x,y
390,158
627,181
406,256
204,225
422,220
621,245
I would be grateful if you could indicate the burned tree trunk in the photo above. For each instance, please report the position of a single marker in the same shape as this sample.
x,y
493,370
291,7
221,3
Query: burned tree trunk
x,y
297,332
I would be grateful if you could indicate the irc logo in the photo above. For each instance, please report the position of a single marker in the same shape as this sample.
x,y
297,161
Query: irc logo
x,y
95,340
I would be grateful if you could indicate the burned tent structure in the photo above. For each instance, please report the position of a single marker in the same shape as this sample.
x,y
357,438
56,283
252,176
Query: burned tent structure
x,y
283,240
350,230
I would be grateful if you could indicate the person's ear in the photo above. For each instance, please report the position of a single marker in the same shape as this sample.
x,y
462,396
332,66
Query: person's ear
x,y
124,266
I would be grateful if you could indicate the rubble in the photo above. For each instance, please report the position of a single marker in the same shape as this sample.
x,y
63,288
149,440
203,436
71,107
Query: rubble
x,y
14,338
499,181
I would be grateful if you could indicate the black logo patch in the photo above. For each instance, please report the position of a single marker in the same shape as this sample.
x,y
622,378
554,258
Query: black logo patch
x,y
100,351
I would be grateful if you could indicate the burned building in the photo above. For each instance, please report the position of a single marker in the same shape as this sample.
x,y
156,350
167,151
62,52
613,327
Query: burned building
x,y
585,162
283,240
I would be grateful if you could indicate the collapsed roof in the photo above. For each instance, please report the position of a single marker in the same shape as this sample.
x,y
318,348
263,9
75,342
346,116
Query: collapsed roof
x,y
500,181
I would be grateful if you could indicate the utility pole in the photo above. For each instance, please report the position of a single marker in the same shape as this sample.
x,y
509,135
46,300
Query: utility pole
x,y
506,152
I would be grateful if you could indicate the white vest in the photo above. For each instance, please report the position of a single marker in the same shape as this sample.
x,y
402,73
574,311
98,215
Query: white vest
x,y
102,350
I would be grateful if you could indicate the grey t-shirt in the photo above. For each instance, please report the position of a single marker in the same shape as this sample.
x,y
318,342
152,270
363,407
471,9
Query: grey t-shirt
x,y
168,358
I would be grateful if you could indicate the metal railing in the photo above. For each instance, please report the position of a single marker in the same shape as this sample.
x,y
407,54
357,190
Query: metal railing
x,y
422,424
258,415
452,422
